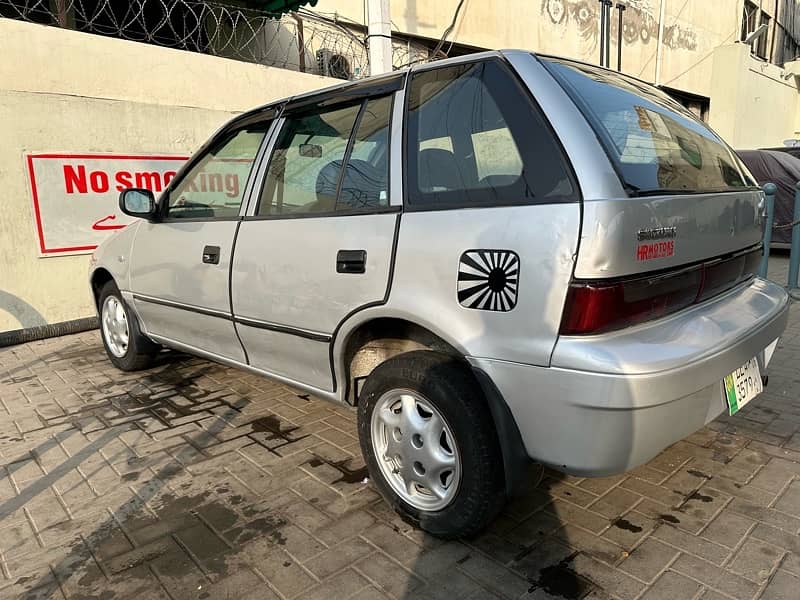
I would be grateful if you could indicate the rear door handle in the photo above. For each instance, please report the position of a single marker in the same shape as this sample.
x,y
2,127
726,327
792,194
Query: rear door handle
x,y
351,261
211,255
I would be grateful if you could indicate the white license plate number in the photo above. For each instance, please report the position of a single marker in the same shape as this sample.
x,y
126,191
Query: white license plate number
x,y
742,385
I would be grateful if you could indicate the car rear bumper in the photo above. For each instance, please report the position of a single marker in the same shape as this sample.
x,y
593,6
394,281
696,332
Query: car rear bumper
x,y
611,402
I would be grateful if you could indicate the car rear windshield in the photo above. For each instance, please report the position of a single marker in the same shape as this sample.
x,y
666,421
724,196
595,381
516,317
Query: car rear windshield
x,y
656,145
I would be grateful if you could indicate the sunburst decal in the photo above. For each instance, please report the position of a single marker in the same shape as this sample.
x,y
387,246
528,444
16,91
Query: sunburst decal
x,y
488,279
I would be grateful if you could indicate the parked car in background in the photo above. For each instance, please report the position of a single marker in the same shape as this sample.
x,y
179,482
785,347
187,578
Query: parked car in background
x,y
791,150
782,169
493,259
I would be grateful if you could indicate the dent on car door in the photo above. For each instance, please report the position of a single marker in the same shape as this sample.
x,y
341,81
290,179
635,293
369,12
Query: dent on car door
x,y
319,243
181,263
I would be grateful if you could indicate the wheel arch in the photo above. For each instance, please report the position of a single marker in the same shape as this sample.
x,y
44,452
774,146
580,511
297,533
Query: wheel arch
x,y
100,276
377,339
98,279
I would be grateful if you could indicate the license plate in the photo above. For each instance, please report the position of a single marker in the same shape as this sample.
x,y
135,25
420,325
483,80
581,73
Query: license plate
x,y
742,385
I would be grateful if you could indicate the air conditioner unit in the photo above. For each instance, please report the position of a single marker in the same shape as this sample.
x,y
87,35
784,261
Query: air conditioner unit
x,y
332,64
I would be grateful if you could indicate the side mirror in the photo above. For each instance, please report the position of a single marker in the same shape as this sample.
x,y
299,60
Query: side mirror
x,y
138,202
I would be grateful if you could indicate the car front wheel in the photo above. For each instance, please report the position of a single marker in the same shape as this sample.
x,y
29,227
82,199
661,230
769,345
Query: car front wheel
x,y
430,443
125,345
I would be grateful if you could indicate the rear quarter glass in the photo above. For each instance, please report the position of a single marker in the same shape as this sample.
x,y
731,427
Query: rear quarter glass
x,y
476,138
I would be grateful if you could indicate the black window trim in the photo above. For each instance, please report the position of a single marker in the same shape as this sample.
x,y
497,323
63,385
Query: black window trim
x,y
523,89
376,93
327,214
348,93
351,141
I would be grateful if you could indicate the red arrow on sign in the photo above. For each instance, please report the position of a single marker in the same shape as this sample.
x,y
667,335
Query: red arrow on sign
x,y
98,226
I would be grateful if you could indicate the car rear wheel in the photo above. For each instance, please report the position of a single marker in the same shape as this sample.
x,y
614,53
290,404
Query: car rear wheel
x,y
125,345
430,443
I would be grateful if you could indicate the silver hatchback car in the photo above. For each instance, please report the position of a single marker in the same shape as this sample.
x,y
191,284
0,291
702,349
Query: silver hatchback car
x,y
495,258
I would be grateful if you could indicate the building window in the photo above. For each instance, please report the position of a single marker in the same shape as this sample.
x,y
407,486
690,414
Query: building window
x,y
749,19
786,46
760,47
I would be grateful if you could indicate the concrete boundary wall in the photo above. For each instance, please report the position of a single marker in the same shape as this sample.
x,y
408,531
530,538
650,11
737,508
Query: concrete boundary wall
x,y
754,104
73,93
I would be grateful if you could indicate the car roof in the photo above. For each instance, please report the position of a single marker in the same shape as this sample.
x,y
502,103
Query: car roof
x,y
369,84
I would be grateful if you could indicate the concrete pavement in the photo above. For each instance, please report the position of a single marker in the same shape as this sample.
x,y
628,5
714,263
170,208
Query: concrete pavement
x,y
193,480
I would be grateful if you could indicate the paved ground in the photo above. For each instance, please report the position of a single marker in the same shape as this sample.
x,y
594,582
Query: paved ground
x,y
197,481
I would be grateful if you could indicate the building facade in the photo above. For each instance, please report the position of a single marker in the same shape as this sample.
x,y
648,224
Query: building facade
x,y
682,46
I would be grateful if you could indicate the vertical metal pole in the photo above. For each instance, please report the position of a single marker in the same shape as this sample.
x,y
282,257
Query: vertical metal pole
x,y
769,193
379,36
602,32
301,43
659,43
621,9
65,13
609,5
61,12
794,257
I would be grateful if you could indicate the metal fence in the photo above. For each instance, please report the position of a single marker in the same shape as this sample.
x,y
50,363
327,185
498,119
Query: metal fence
x,y
299,41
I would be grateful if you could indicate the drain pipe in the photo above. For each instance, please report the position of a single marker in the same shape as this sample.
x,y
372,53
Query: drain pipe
x,y
21,336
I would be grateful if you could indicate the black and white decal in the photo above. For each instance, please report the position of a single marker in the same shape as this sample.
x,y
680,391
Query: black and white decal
x,y
487,279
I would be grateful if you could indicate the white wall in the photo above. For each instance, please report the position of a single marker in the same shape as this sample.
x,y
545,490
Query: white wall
x,y
753,104
68,92
692,29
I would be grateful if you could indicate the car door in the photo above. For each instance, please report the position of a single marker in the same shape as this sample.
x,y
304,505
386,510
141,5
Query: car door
x,y
180,264
317,244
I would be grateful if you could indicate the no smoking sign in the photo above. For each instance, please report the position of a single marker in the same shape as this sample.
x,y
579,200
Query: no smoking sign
x,y
75,196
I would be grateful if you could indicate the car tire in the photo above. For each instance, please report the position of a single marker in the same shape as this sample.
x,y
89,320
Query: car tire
x,y
125,345
449,445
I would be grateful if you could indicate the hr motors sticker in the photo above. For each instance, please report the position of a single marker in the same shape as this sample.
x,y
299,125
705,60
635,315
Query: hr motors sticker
x,y
651,246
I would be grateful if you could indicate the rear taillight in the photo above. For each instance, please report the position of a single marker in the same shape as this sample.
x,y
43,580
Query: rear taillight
x,y
600,306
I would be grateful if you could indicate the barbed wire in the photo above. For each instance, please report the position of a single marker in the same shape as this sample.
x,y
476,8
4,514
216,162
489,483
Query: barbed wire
x,y
407,53
302,42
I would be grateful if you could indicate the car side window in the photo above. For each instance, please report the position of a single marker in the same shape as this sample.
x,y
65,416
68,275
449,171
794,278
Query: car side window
x,y
475,138
365,182
329,161
214,187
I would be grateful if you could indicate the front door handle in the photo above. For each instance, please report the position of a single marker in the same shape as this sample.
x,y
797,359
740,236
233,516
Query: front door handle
x,y
351,261
211,255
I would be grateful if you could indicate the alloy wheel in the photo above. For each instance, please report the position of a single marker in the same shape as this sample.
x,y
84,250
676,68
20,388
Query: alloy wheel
x,y
415,450
115,326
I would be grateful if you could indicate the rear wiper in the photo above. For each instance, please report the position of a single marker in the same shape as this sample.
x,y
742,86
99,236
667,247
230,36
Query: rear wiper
x,y
639,192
